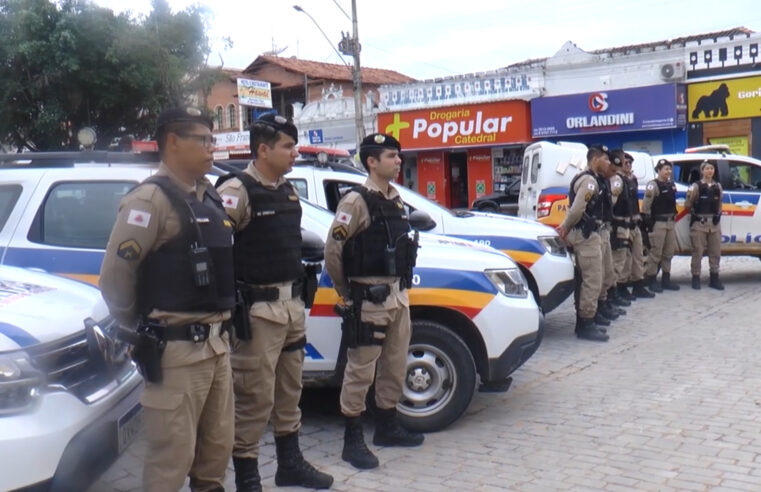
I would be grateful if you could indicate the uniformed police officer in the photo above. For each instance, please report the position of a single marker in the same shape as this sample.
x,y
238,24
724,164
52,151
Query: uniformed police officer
x,y
167,277
369,255
267,363
580,229
609,301
704,200
659,212
636,269
622,226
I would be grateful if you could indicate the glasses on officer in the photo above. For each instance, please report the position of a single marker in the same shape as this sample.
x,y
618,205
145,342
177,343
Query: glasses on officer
x,y
208,141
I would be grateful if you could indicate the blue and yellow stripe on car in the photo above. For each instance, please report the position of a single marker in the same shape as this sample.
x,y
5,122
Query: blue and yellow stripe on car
x,y
79,265
523,251
465,292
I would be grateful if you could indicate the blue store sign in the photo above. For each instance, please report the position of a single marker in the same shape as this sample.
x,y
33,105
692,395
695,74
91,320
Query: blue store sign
x,y
653,107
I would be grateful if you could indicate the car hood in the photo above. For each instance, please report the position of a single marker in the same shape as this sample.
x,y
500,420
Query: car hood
x,y
437,250
37,307
474,224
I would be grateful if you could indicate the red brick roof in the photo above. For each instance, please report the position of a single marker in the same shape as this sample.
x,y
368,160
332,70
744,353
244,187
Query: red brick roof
x,y
330,71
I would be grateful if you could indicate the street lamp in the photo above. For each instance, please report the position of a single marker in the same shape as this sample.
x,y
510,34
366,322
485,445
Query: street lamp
x,y
349,46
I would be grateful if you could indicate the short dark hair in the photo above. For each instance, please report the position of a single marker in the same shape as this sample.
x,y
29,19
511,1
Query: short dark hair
x,y
178,128
367,152
594,152
262,134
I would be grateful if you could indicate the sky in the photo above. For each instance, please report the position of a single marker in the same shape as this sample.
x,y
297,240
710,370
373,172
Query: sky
x,y
426,39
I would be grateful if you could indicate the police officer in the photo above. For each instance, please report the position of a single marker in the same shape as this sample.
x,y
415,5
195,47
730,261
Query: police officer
x,y
267,362
612,185
369,255
659,212
167,277
580,229
636,268
622,227
704,202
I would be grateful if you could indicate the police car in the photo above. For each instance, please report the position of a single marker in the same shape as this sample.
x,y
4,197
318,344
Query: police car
x,y
538,250
68,392
473,313
548,169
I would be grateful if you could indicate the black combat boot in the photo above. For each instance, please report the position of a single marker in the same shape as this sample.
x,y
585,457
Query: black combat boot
x,y
247,477
696,282
389,432
652,284
617,300
623,292
714,281
588,331
666,282
599,320
606,310
640,290
617,310
293,469
355,450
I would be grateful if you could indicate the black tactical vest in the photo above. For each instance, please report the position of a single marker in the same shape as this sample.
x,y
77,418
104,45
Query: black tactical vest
x,y
623,206
268,250
632,187
708,199
665,202
384,249
595,207
167,277
606,199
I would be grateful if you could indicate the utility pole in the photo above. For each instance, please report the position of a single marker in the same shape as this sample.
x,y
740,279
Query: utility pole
x,y
351,46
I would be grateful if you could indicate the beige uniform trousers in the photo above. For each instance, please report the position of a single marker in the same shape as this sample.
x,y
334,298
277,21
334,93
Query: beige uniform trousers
x,y
705,236
637,267
188,424
608,271
663,242
386,364
267,377
588,252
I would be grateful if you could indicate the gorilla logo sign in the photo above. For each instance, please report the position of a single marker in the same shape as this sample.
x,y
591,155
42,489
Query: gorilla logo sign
x,y
598,102
724,99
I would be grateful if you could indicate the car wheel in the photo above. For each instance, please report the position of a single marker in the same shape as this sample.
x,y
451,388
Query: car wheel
x,y
489,208
440,378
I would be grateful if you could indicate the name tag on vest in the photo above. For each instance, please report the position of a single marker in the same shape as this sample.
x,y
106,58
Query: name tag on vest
x,y
265,212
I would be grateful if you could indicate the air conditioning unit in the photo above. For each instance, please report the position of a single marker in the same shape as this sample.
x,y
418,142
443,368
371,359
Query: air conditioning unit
x,y
672,71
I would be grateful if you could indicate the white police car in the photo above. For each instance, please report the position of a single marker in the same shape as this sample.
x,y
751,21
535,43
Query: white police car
x,y
473,312
68,393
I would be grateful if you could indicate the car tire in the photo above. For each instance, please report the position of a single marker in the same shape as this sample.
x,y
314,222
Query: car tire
x,y
440,378
489,208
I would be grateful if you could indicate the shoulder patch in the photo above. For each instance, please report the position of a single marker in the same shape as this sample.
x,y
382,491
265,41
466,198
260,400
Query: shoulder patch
x,y
591,186
339,233
139,218
230,201
129,250
588,196
343,218
650,186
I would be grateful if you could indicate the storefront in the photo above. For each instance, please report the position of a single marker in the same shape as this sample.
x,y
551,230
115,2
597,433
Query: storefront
x,y
456,154
650,119
726,112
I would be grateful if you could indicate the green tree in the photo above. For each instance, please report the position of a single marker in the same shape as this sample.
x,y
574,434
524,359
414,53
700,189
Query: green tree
x,y
69,64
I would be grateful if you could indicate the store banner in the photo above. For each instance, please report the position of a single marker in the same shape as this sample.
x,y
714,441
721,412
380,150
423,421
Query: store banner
x,y
724,99
737,145
470,125
254,93
640,108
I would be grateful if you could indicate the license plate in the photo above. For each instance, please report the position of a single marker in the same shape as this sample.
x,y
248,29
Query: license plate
x,y
129,426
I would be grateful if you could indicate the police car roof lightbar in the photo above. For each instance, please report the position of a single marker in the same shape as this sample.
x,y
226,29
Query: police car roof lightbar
x,y
705,149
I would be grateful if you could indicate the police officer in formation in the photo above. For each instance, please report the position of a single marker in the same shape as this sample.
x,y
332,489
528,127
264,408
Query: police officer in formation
x,y
580,230
621,227
704,199
369,254
265,212
633,272
167,277
659,213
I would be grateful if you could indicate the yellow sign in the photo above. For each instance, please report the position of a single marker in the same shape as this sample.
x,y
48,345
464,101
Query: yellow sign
x,y
737,145
724,99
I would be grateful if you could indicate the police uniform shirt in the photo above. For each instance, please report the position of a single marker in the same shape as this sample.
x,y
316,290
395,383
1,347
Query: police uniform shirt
x,y
585,188
651,192
353,217
616,187
235,200
146,221
694,193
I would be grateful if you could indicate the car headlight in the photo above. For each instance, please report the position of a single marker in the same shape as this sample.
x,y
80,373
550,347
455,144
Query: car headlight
x,y
20,383
553,244
509,281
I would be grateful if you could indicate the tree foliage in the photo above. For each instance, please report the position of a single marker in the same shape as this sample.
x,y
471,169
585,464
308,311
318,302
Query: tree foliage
x,y
68,64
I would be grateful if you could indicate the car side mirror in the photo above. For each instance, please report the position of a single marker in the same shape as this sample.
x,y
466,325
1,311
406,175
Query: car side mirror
x,y
421,221
312,247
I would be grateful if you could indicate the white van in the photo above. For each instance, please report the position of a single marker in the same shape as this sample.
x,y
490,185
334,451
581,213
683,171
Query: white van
x,y
548,169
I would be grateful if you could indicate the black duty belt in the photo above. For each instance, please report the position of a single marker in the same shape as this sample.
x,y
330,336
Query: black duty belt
x,y
194,332
271,294
373,293
664,218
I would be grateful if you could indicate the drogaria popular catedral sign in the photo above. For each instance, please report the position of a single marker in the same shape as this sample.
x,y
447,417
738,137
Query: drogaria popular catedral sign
x,y
461,126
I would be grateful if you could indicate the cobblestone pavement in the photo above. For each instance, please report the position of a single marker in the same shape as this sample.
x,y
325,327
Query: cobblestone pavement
x,y
672,402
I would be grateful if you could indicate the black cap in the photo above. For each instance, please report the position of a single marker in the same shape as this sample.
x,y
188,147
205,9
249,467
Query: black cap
x,y
277,123
628,157
183,115
380,141
661,163
601,147
616,157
